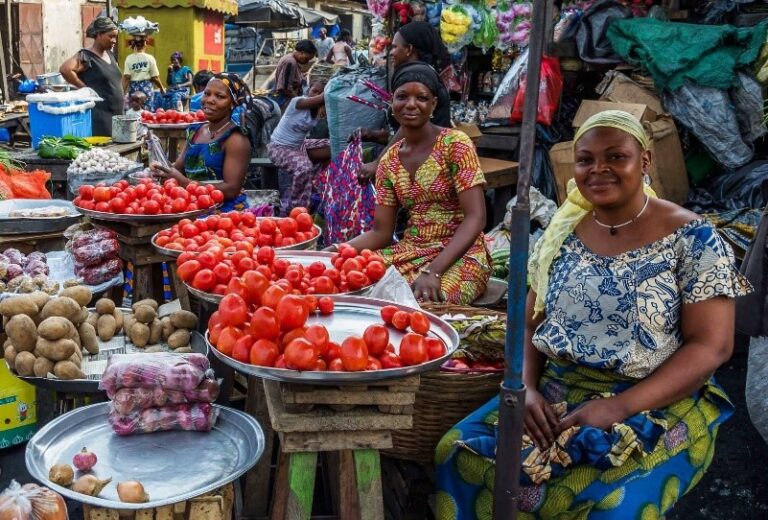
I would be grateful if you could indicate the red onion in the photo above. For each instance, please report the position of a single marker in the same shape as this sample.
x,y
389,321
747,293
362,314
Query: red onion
x,y
84,460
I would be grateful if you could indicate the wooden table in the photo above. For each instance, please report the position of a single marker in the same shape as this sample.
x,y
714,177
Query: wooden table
x,y
58,167
501,176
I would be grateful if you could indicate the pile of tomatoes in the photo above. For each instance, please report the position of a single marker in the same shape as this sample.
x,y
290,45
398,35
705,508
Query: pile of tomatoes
x,y
276,334
172,117
234,228
220,266
147,197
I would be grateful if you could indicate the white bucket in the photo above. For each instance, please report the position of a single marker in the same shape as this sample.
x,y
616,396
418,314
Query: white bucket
x,y
125,129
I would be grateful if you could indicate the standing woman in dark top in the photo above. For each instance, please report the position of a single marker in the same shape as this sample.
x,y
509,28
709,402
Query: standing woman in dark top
x,y
96,67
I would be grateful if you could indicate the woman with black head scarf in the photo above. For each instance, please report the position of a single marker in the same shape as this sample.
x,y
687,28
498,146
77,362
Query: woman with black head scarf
x,y
96,67
434,173
217,150
415,45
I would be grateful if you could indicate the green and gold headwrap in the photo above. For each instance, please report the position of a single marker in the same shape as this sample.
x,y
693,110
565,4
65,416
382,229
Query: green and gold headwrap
x,y
237,87
576,207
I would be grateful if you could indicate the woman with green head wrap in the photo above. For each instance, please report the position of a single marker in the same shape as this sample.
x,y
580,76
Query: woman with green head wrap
x,y
630,312
96,67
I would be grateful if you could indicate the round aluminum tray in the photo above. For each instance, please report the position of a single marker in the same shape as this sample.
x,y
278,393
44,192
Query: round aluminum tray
x,y
307,245
146,219
173,466
170,126
31,225
350,317
117,345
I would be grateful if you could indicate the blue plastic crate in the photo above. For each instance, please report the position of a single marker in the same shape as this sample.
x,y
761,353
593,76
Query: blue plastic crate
x,y
42,124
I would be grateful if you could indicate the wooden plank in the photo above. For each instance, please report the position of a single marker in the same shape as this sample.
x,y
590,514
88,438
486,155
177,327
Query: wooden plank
x,y
295,486
293,442
349,503
133,229
164,512
368,482
99,513
142,282
342,397
141,254
145,514
206,508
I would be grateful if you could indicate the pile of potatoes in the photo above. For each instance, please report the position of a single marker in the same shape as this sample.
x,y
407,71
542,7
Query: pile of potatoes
x,y
47,334
146,330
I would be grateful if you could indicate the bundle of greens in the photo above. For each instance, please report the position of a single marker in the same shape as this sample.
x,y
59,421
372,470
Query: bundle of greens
x,y
67,147
8,163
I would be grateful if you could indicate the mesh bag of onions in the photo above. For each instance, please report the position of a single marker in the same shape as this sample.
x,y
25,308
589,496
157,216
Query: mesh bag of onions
x,y
31,502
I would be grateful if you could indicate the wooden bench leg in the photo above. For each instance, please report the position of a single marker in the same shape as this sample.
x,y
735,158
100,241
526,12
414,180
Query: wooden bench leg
x,y
256,504
368,481
295,486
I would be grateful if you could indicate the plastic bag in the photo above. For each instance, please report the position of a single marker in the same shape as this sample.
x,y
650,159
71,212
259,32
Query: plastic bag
x,y
457,26
130,400
100,273
394,288
31,502
85,238
198,417
501,105
156,152
487,33
550,90
168,370
95,252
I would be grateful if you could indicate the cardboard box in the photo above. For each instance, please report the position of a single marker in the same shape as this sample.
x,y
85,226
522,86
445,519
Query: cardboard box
x,y
668,175
589,107
618,88
473,131
18,417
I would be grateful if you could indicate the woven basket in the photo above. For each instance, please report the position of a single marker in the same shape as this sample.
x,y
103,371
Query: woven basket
x,y
443,399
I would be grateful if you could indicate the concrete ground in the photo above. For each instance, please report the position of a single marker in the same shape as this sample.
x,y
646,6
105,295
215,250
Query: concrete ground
x,y
735,487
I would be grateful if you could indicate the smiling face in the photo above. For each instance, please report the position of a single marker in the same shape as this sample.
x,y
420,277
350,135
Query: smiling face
x,y
609,167
217,101
413,104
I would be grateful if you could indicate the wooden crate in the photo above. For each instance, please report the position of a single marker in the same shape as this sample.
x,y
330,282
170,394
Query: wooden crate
x,y
211,506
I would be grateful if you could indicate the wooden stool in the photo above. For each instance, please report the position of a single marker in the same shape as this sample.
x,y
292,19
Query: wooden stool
x,y
136,247
353,420
216,505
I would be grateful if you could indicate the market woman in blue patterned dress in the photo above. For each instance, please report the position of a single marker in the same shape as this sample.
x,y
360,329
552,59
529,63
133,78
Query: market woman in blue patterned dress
x,y
217,150
630,312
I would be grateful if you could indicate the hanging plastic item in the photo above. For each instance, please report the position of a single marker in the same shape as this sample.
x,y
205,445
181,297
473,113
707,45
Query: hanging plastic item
x,y
550,90
379,8
433,12
456,26
402,10
505,17
486,35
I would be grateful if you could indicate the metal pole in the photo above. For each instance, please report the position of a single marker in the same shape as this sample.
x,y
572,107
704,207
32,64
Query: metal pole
x,y
5,66
512,398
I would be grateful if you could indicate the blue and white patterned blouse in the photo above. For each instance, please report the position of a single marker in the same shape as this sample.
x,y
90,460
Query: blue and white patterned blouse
x,y
622,313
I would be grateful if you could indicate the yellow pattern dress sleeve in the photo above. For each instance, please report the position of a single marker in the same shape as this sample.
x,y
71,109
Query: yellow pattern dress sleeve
x,y
385,178
462,161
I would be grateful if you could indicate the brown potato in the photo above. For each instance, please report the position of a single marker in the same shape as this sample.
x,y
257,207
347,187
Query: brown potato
x,y
18,305
80,293
128,321
22,332
40,298
139,334
179,339
106,327
82,317
147,301
105,306
184,320
74,335
63,306
144,313
54,328
119,318
9,354
153,349
55,350
42,366
93,319
77,360
183,350
155,332
168,328
24,364
67,370
88,338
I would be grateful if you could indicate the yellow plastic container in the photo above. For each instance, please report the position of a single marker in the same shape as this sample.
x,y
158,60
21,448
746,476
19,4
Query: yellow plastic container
x,y
18,409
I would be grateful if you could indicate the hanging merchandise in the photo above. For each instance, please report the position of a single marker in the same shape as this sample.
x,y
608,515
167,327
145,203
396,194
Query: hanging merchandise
x,y
488,33
402,10
418,11
501,105
550,89
456,29
379,8
505,18
433,12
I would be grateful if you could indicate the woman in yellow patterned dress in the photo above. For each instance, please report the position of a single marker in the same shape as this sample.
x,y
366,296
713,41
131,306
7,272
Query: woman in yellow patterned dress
x,y
434,172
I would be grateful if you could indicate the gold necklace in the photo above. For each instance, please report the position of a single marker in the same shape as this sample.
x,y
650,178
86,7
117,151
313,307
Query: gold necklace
x,y
212,133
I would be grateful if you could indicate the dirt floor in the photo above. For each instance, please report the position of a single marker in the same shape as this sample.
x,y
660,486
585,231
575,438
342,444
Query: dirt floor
x,y
736,486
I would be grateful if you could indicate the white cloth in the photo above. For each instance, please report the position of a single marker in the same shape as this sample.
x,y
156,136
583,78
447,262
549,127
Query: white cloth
x,y
324,47
293,126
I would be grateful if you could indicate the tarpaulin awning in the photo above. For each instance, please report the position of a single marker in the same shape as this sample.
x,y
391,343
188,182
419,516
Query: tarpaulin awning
x,y
222,6
277,14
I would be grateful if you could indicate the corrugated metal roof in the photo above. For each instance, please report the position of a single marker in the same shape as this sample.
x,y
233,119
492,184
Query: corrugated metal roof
x,y
222,6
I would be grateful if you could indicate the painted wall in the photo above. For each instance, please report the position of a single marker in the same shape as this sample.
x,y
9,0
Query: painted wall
x,y
197,33
62,30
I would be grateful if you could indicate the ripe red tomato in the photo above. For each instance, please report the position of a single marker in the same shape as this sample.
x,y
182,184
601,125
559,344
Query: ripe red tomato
x,y
288,226
151,207
375,270
387,312
256,283
376,338
298,210
102,206
101,194
300,354
354,354
357,280
217,196
265,255
117,205
303,222
272,296
335,365
264,324
187,271
292,312
323,285
204,280
264,353
350,264
223,273
435,348
325,304
373,364
227,339
419,323
237,286
233,310
413,349
268,226
316,269
332,352
241,351
319,337
401,320
390,360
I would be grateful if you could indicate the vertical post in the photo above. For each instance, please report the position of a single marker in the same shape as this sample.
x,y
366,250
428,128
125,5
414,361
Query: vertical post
x,y
3,68
512,398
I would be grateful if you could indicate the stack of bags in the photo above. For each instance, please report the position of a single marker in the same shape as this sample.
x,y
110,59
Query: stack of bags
x,y
160,391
